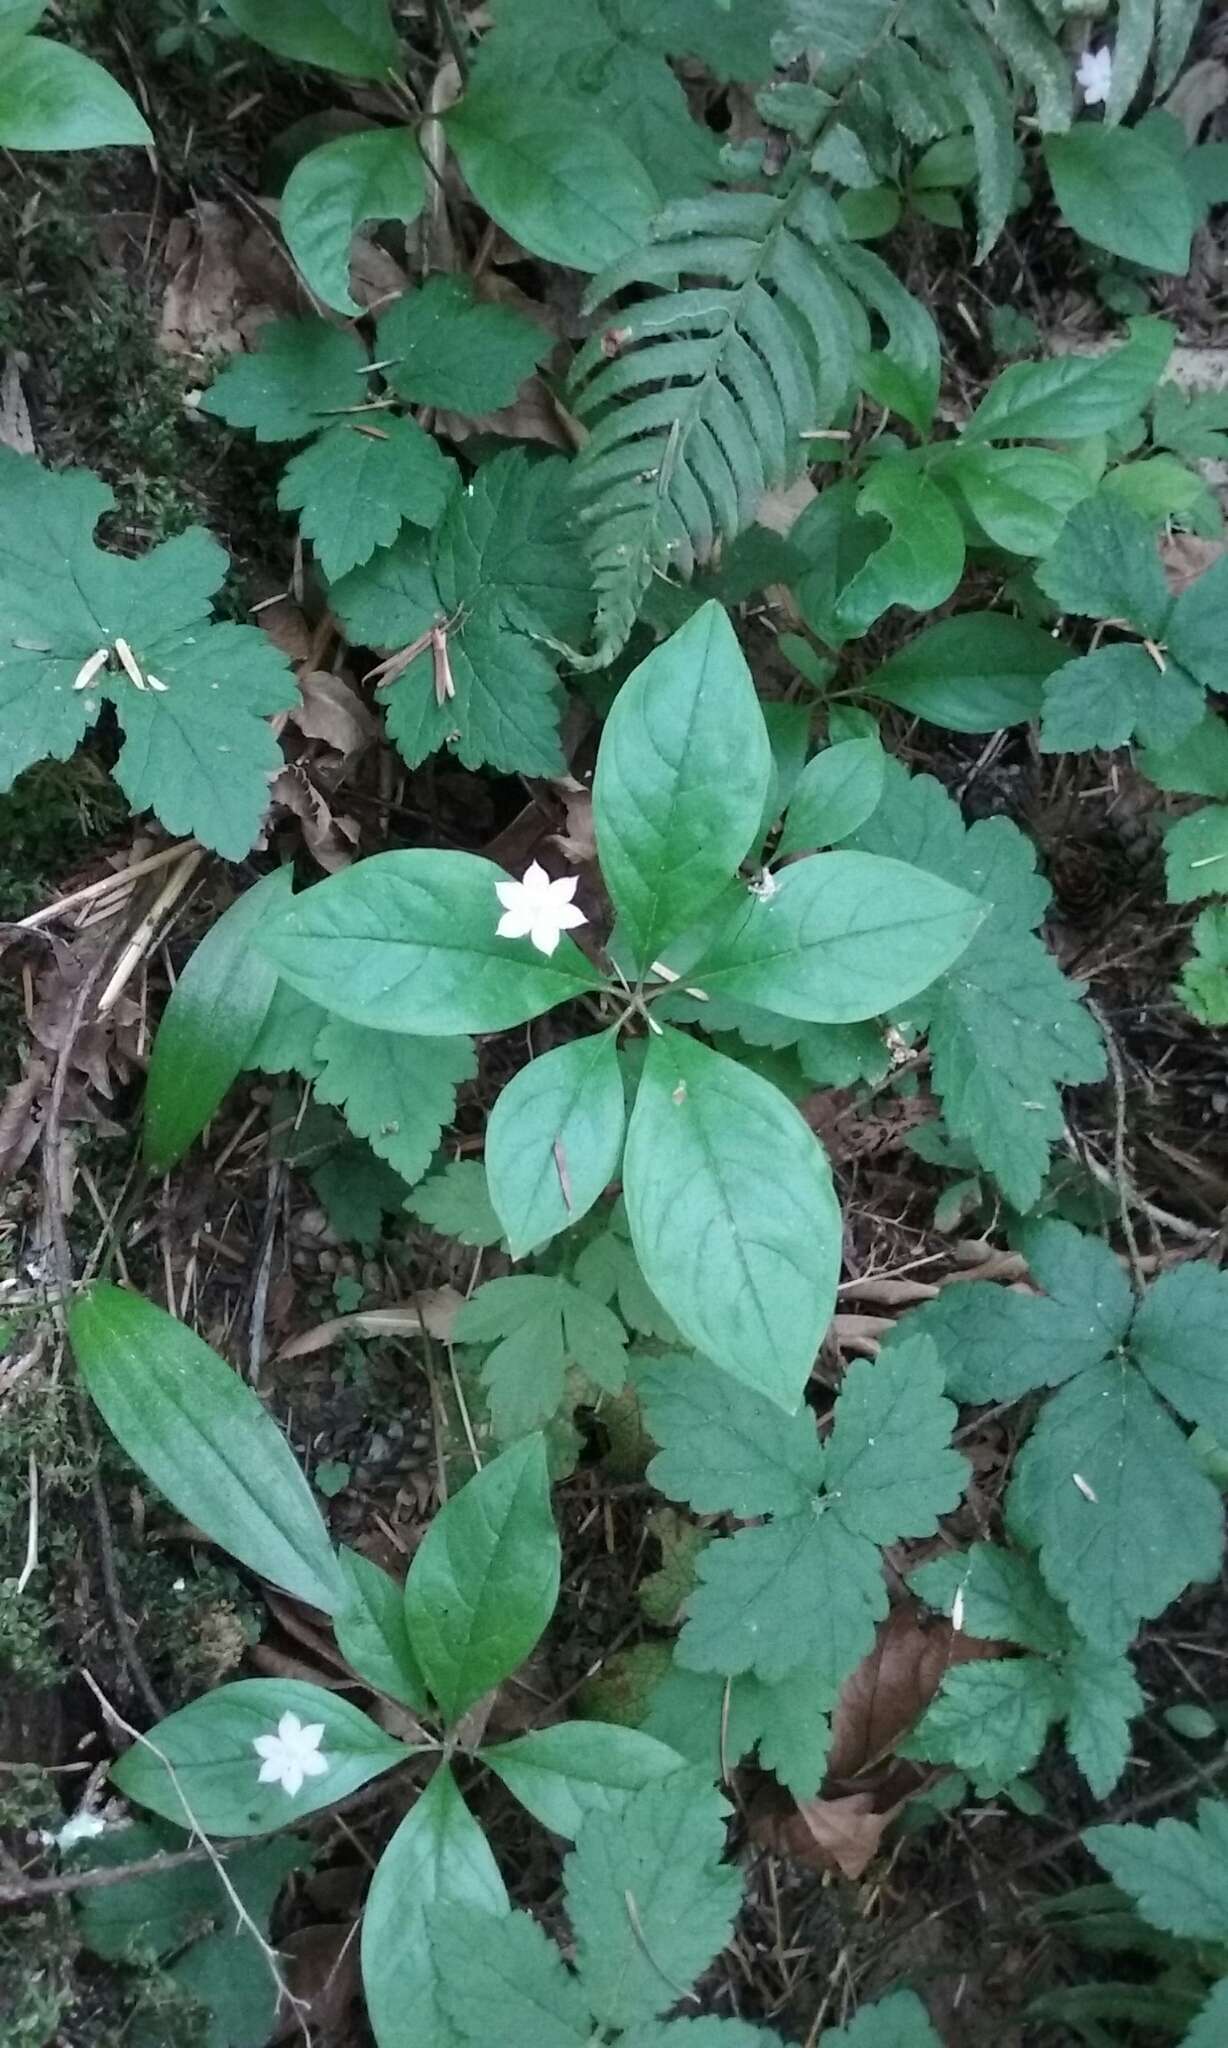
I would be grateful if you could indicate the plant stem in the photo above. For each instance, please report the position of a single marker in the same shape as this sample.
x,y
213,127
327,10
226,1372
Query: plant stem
x,y
446,22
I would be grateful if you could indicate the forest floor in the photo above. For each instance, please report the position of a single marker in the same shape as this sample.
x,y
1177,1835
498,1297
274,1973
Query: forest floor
x,y
123,287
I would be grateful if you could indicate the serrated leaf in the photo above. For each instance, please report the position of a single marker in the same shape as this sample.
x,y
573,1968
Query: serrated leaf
x,y
371,1632
53,97
555,1138
437,1857
1000,1593
564,1773
1196,855
200,1434
374,175
539,1324
406,942
502,1979
484,1579
1203,986
798,1592
990,1718
889,1470
1194,635
920,565
682,779
358,482
443,346
1103,698
835,793
897,2021
1176,1874
723,1448
1178,1339
200,1768
355,37
1093,1491
1198,765
648,1898
732,1215
563,185
1211,2025
838,937
457,1204
716,1721
211,1021
302,374
1122,191
1069,397
1102,1698
396,1091
974,673
1105,566
285,1042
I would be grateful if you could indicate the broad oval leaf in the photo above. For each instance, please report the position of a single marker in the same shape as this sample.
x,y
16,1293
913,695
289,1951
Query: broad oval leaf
x,y
376,175
210,1024
1071,396
355,37
836,792
408,942
974,673
205,1441
682,780
561,183
485,1578
563,1774
840,937
210,1747
1122,190
371,1632
732,1214
437,1857
52,97
554,1140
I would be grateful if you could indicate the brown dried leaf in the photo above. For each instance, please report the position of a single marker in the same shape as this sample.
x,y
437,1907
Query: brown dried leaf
x,y
439,1308
1186,558
206,294
825,1834
330,836
331,710
21,1117
15,429
320,1965
889,1691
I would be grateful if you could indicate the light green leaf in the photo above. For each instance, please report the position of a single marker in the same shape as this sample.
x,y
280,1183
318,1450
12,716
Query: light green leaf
x,y
484,1579
1180,1339
228,1975
302,375
407,942
285,1042
555,1138
200,1434
371,1632
1176,1874
1069,397
396,1091
201,1769
1106,1490
52,97
1020,496
1122,191
1211,2025
801,1592
1102,698
663,1853
444,346
897,2021
1196,855
1102,1698
355,37
722,1448
681,782
989,1719
374,175
1003,1596
437,1857
922,562
356,484
561,183
889,1470
839,937
836,792
456,1203
974,673
1203,986
732,1215
502,1979
542,1324
18,17
209,1025
1105,566
564,1773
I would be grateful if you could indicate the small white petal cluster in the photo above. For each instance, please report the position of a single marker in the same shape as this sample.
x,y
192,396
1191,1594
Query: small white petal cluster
x,y
291,1755
537,908
1094,76
79,1827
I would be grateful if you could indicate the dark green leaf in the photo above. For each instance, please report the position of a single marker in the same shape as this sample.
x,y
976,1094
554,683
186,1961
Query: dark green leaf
x,y
444,346
1196,855
356,484
397,1091
1102,698
1178,1338
974,673
1105,566
540,1324
1019,496
922,562
1119,189
302,375
1176,1874
990,1719
374,175
724,1449
355,37
835,793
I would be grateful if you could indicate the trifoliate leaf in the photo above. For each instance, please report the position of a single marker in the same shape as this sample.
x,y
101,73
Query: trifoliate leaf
x,y
302,375
648,1897
609,1269
723,1447
1005,1027
539,1326
1000,1593
395,1091
502,1979
1176,1874
356,484
198,751
456,1203
801,1591
897,2021
889,1469
1107,1492
989,1719
1196,855
1102,1698
1178,1338
443,346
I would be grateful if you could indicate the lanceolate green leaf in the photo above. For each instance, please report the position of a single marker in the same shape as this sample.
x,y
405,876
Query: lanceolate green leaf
x,y
52,97
554,1140
210,1025
205,1441
974,673
210,1747
839,937
371,1632
408,942
682,777
355,37
732,1214
563,1774
375,175
1071,396
484,1579
437,1857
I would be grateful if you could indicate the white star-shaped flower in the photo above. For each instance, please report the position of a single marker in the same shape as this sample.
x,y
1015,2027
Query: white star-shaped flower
x,y
1094,76
291,1755
538,908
